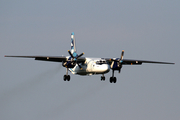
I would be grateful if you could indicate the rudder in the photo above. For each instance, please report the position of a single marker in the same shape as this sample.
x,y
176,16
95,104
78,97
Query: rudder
x,y
73,46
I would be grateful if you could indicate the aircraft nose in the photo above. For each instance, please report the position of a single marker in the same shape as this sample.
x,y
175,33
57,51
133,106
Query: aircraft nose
x,y
106,68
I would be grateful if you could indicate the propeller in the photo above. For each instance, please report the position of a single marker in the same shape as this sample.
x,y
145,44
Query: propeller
x,y
119,61
74,59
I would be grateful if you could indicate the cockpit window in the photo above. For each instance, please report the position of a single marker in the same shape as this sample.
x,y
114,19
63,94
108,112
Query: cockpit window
x,y
101,62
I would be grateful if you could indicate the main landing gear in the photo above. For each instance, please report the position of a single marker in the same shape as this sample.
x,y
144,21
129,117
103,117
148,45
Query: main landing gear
x,y
66,77
112,79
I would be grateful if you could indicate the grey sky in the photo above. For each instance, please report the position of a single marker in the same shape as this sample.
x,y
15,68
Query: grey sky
x,y
147,30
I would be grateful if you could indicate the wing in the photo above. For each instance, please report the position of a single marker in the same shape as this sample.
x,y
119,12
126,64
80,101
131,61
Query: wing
x,y
50,58
43,58
134,62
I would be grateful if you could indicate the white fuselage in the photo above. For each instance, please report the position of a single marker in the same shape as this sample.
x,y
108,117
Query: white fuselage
x,y
90,67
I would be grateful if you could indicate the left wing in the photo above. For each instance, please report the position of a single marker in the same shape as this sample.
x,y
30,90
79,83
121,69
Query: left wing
x,y
131,62
134,62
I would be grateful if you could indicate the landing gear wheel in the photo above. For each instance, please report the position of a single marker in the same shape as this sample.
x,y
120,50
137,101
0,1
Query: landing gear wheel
x,y
68,77
64,77
102,78
112,80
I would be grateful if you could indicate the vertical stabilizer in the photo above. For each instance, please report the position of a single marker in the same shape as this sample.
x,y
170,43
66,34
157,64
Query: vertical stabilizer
x,y
73,46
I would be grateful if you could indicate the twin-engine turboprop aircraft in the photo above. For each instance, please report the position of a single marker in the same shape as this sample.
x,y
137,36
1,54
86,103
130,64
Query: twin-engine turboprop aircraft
x,y
89,66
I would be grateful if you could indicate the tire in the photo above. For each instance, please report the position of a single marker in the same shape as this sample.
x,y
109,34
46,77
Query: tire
x,y
110,79
68,77
114,80
64,77
102,78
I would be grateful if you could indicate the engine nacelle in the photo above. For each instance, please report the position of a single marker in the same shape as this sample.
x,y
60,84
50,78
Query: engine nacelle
x,y
115,65
68,64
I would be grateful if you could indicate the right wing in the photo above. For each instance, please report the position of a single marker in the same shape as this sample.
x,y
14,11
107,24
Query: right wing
x,y
43,58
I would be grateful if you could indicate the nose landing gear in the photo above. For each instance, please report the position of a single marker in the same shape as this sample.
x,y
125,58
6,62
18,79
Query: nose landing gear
x,y
102,77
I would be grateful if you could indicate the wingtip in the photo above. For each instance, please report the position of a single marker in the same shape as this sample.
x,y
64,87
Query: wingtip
x,y
172,63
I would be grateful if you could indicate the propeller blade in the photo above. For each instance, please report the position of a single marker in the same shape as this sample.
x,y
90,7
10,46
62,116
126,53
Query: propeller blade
x,y
80,55
114,60
122,54
79,66
70,54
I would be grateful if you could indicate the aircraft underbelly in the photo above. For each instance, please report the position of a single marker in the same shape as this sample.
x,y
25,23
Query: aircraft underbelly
x,y
89,73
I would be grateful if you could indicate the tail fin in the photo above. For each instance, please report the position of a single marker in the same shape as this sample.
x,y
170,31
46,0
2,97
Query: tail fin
x,y
73,46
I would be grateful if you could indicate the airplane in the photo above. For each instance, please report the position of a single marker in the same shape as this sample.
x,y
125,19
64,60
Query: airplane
x,y
79,65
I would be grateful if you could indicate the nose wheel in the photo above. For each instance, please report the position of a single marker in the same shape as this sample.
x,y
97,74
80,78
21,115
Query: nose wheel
x,y
103,78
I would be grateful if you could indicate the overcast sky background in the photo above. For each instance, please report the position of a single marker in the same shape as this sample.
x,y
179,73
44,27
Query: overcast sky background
x,y
34,90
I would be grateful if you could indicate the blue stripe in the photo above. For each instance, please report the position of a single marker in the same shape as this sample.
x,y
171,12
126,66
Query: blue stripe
x,y
71,69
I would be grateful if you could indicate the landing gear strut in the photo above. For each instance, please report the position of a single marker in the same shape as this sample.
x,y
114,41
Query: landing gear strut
x,y
102,77
112,79
66,77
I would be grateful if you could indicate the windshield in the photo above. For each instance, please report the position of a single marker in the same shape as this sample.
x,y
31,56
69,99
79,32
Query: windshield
x,y
101,62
